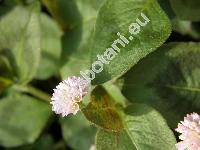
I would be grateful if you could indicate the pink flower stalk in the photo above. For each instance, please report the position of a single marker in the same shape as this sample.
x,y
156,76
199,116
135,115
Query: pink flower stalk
x,y
68,94
190,133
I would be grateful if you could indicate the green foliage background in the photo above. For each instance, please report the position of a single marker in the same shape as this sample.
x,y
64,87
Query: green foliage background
x,y
135,103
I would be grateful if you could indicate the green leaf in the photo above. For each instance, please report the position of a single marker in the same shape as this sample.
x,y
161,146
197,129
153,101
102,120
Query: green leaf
x,y
117,16
136,127
115,92
79,19
43,143
78,132
51,48
74,13
144,129
102,111
25,2
74,64
23,40
22,119
168,80
186,9
64,12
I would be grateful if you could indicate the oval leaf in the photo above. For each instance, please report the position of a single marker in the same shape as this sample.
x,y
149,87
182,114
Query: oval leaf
x,y
145,129
101,110
121,16
168,80
22,119
22,39
186,9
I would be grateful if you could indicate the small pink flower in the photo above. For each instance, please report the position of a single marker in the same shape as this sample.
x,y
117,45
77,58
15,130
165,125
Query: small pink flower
x,y
190,133
68,94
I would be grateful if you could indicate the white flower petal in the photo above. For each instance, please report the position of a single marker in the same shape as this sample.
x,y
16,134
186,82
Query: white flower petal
x,y
67,95
189,129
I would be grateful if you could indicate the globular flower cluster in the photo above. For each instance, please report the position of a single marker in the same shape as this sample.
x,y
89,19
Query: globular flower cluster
x,y
190,133
68,94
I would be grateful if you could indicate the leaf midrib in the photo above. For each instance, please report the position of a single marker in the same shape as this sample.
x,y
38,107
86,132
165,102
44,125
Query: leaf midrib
x,y
132,140
192,89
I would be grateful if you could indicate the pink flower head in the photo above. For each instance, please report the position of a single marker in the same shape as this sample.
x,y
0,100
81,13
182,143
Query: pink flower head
x,y
68,94
190,133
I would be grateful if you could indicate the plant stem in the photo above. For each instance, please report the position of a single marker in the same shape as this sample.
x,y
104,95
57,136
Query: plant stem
x,y
35,92
39,94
